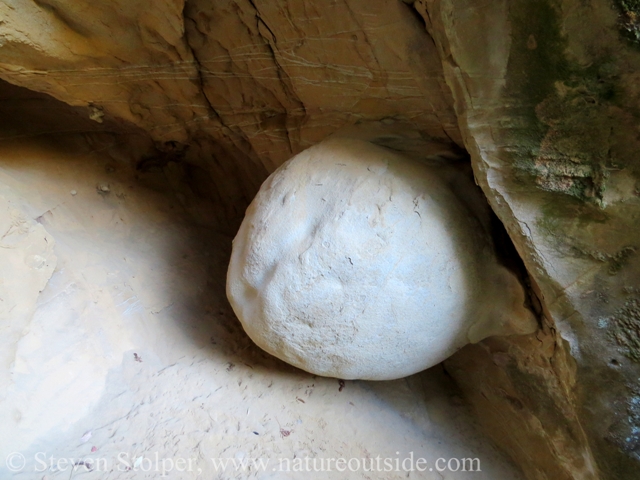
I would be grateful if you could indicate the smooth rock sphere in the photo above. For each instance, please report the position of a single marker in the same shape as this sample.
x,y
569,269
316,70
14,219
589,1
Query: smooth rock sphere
x,y
356,262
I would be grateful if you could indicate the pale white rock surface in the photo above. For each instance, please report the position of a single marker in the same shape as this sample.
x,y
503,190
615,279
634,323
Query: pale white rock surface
x,y
357,262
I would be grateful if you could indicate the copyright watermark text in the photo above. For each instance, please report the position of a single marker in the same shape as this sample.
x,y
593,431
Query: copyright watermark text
x,y
163,466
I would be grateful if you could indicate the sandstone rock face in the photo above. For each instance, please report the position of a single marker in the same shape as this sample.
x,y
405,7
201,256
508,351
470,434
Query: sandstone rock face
x,y
548,106
356,262
547,98
543,94
239,82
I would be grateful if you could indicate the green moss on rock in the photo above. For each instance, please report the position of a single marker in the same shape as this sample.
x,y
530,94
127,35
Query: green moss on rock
x,y
562,140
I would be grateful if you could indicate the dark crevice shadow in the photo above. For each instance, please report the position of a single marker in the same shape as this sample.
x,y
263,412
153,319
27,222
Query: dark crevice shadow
x,y
25,114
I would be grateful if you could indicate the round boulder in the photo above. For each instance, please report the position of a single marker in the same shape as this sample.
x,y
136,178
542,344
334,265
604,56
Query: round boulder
x,y
356,262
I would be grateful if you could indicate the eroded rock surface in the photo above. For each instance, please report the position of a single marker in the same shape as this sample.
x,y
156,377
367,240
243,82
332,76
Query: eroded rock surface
x,y
244,84
548,106
543,94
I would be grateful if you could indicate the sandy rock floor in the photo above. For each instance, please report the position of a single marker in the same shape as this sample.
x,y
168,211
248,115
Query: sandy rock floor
x,y
130,360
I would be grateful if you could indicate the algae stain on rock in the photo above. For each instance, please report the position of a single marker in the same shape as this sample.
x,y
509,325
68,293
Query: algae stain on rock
x,y
533,71
615,261
568,114
574,156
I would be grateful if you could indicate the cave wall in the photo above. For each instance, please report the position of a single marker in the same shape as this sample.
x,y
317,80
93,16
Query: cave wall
x,y
238,82
546,107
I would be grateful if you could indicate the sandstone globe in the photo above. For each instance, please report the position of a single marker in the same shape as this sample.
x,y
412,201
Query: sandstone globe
x,y
357,262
